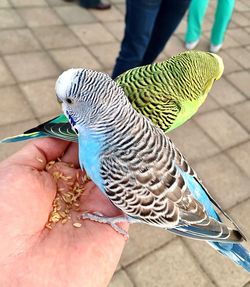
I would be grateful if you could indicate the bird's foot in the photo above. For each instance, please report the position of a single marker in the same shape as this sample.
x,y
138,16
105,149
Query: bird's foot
x,y
112,221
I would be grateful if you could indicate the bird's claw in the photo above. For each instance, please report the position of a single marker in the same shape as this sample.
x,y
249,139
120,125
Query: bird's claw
x,y
112,221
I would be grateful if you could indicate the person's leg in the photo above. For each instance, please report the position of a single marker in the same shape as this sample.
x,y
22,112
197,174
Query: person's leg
x,y
196,14
169,16
139,23
223,15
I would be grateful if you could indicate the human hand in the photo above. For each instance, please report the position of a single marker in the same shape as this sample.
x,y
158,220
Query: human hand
x,y
32,255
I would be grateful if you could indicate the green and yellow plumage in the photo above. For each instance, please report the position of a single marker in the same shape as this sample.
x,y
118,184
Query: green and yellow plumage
x,y
168,93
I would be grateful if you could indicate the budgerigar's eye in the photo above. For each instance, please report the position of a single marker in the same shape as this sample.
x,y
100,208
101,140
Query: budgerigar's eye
x,y
69,101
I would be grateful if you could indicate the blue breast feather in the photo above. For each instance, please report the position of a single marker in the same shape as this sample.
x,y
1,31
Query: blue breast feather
x,y
89,156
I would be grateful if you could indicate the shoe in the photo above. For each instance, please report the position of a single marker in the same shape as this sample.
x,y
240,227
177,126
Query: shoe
x,y
215,48
192,45
102,6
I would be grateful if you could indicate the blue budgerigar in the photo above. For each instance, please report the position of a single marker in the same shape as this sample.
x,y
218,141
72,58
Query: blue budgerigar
x,y
138,167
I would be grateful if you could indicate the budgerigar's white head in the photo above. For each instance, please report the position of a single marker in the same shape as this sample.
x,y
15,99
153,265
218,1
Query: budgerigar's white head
x,y
88,97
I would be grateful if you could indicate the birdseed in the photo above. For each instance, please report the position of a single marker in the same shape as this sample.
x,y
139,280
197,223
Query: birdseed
x,y
77,224
67,198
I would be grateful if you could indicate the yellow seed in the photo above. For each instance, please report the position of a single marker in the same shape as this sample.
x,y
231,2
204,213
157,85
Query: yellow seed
x,y
48,225
77,224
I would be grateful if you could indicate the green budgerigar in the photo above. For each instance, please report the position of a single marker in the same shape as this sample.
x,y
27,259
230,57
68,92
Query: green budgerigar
x,y
168,93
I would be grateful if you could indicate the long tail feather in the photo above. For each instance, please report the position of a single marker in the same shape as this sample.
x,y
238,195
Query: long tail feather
x,y
236,252
23,137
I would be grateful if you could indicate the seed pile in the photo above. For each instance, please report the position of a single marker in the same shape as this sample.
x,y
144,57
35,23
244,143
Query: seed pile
x,y
69,191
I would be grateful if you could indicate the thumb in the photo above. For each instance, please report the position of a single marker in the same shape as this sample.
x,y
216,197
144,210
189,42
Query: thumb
x,y
38,153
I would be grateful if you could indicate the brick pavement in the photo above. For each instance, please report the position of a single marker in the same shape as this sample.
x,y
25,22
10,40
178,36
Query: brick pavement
x,y
40,38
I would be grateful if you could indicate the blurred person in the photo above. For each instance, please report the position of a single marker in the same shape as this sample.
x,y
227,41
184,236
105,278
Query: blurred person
x,y
196,15
148,26
93,4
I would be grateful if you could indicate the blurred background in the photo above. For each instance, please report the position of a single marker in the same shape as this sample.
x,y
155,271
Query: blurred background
x,y
41,38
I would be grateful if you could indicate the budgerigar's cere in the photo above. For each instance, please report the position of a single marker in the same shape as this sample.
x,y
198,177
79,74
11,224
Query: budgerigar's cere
x,y
168,93
138,168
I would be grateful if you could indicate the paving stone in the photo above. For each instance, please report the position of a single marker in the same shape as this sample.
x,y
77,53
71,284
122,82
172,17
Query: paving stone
x,y
161,57
14,107
192,142
10,19
117,1
222,128
116,28
120,279
31,66
229,42
172,265
219,268
48,117
5,75
209,105
207,24
4,4
240,19
106,53
242,113
240,55
225,94
36,17
121,7
240,214
241,81
74,14
54,37
229,64
75,58
223,179
181,29
41,96
246,2
59,3
93,33
241,155
25,3
174,46
10,130
112,14
17,41
143,239
239,35
241,6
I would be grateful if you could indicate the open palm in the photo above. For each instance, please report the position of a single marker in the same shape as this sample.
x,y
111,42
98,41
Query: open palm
x,y
32,255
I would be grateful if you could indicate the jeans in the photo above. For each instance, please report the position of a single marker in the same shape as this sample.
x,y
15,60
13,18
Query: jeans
x,y
148,26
